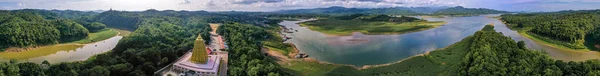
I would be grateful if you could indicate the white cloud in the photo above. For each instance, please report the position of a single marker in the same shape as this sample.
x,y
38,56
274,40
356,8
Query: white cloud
x,y
295,4
219,5
272,5
185,2
20,4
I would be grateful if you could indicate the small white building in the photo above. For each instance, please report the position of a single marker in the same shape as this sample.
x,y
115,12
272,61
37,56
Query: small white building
x,y
184,65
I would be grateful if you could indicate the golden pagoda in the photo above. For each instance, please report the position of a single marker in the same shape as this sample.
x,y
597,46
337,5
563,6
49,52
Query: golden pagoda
x,y
199,52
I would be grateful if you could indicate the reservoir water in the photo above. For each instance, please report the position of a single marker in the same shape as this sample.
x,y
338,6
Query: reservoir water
x,y
62,52
360,49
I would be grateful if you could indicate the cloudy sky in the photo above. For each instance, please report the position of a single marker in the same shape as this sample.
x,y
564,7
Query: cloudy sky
x,y
273,5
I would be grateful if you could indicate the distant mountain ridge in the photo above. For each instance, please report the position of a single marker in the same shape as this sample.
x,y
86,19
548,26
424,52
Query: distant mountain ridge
x,y
458,10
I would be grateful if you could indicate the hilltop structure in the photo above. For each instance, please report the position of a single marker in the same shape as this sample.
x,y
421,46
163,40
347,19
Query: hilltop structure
x,y
199,62
200,52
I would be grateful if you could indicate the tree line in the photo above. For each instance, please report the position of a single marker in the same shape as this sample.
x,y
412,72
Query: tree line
x,y
492,53
459,10
377,17
158,38
245,56
19,28
570,27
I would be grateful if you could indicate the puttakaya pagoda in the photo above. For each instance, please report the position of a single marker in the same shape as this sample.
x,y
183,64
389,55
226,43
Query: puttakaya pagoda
x,y
199,62
199,53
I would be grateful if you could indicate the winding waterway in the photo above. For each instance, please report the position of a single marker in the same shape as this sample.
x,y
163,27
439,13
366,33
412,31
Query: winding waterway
x,y
360,49
62,52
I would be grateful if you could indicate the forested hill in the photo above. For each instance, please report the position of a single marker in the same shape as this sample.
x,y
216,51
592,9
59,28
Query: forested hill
x,y
571,29
380,18
54,14
459,10
336,10
25,28
343,10
158,38
132,20
491,54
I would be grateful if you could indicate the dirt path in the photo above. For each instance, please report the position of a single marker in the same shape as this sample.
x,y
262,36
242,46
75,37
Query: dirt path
x,y
214,27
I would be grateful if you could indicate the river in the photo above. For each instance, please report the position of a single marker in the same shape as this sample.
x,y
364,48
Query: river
x,y
359,49
62,52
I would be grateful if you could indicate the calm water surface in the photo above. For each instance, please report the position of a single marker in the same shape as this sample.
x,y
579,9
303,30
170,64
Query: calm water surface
x,y
62,52
360,49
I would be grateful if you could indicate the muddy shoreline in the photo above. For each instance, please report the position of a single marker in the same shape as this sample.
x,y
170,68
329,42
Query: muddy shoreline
x,y
17,49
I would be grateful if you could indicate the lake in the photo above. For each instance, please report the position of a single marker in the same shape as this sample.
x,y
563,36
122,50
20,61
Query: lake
x,y
62,52
360,49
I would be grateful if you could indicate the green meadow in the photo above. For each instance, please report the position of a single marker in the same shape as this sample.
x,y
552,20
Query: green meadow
x,y
347,27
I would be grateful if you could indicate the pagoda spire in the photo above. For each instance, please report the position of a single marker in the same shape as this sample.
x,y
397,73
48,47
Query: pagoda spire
x,y
199,52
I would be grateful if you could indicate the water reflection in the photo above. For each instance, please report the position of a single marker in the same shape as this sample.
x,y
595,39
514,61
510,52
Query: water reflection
x,y
360,49
62,52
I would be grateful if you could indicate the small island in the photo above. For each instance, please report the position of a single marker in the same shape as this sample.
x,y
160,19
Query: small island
x,y
370,24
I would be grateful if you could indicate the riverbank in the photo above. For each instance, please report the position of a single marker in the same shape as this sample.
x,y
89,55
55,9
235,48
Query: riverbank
x,y
62,52
304,66
92,37
537,39
437,62
285,58
41,51
433,16
542,40
347,27
432,63
122,32
97,36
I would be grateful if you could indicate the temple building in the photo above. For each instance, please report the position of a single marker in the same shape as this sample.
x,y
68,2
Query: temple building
x,y
199,62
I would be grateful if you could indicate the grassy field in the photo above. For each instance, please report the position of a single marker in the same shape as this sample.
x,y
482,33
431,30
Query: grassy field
x,y
274,42
438,62
308,68
97,36
433,16
282,51
551,42
122,32
346,27
285,18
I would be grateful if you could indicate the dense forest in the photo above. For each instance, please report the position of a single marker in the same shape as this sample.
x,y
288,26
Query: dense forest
x,y
245,56
384,18
491,53
459,10
158,38
154,44
25,28
566,28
